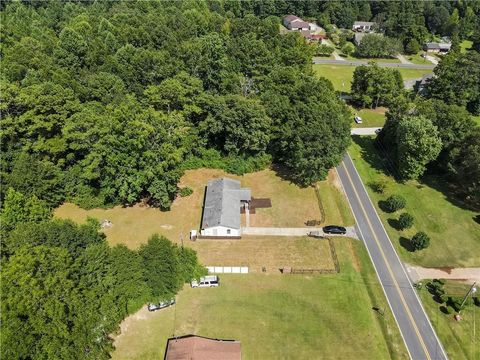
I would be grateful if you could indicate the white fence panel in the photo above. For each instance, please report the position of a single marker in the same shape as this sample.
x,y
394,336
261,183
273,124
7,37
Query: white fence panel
x,y
227,269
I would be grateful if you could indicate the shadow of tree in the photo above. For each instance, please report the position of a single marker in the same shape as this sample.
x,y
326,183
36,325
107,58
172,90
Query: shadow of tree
x,y
382,204
285,174
369,153
394,223
406,243
450,191
444,310
477,219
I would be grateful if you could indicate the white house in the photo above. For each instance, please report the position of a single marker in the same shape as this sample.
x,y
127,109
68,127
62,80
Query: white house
x,y
292,22
221,210
441,48
366,26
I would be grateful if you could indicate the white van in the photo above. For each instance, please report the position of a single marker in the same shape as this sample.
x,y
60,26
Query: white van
x,y
207,281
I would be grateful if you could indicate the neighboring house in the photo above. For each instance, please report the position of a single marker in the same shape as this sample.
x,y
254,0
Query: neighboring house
x,y
292,22
363,26
192,347
441,48
358,38
422,84
221,210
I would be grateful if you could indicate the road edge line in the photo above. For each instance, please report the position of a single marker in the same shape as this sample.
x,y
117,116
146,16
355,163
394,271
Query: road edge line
x,y
376,271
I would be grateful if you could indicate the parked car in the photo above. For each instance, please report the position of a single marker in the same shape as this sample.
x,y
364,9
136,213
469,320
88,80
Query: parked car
x,y
161,305
358,119
206,281
334,229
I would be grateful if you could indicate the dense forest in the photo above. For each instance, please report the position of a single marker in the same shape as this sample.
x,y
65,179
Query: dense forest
x,y
107,103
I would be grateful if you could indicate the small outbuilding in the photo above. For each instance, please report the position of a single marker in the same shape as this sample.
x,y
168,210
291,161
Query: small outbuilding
x,y
224,199
192,347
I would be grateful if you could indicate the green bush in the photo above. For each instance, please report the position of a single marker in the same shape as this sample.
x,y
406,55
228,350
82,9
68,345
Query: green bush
x,y
378,186
405,221
185,191
395,203
420,241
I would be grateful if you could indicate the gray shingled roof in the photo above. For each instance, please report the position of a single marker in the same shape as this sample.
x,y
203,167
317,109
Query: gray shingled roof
x,y
440,46
222,203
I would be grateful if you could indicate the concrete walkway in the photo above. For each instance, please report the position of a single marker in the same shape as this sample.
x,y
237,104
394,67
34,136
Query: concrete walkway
x,y
274,231
432,59
402,59
417,273
364,131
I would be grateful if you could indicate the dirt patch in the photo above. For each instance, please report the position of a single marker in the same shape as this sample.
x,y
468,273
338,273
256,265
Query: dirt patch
x,y
141,314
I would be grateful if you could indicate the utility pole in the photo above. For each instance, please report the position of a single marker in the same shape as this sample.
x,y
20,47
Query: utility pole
x,y
472,289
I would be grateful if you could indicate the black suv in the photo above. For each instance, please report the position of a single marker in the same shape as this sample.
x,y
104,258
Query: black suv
x,y
334,229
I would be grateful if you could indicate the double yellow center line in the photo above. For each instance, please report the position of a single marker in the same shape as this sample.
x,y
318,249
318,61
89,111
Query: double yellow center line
x,y
388,266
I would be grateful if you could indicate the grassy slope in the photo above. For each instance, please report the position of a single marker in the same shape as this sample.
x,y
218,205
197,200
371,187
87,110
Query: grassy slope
x,y
456,336
455,237
335,205
418,59
343,74
279,316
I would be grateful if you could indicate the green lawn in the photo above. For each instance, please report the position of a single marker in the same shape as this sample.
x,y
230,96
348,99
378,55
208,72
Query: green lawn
x,y
333,201
370,117
457,337
341,75
455,236
279,316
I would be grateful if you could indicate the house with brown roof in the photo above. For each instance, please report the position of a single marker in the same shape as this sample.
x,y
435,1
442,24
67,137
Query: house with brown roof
x,y
193,347
292,22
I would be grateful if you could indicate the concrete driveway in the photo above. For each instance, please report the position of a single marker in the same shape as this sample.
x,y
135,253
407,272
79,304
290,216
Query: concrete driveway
x,y
364,131
277,231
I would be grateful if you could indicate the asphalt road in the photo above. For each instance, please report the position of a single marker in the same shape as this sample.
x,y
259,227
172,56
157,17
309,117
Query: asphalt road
x,y
417,332
381,64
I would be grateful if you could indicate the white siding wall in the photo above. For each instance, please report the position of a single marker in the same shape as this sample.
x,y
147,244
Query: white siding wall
x,y
220,231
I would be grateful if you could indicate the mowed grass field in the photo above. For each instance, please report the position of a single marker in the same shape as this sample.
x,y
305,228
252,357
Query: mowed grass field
x,y
341,76
292,206
270,252
461,339
370,117
455,236
278,316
